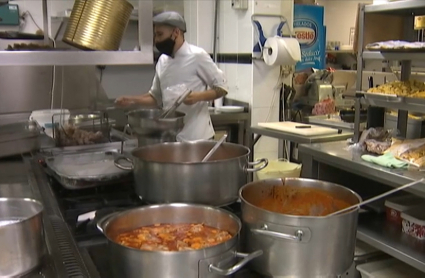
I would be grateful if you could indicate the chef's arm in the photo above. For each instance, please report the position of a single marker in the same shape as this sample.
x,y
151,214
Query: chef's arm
x,y
208,95
146,100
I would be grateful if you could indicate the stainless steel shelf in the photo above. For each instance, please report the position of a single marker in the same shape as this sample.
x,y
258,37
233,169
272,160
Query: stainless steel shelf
x,y
75,58
395,56
406,7
389,238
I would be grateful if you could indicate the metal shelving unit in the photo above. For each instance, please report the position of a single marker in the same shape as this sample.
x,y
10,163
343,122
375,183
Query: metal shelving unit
x,y
407,8
372,230
85,58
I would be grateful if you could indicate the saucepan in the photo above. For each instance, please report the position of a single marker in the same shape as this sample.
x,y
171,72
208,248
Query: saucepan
x,y
209,262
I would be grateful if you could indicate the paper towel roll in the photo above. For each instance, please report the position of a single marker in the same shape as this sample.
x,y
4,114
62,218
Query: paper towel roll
x,y
279,51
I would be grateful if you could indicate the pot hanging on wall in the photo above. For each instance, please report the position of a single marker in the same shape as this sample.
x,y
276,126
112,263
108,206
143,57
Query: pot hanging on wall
x,y
98,24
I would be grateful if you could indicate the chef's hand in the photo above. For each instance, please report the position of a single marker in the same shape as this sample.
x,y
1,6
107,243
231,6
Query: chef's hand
x,y
193,98
124,101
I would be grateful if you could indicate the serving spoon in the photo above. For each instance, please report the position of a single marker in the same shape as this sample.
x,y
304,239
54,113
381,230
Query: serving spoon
x,y
214,149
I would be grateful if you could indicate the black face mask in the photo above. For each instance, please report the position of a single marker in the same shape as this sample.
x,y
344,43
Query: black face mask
x,y
166,46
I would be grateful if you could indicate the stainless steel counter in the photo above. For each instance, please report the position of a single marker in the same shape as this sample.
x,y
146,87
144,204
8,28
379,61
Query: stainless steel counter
x,y
23,178
336,154
300,139
333,161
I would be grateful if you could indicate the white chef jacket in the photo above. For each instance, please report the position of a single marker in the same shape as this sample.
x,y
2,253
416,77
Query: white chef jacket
x,y
193,67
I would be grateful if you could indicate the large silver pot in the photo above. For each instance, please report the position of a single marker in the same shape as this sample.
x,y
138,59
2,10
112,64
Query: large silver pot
x,y
211,262
173,172
151,130
21,236
298,246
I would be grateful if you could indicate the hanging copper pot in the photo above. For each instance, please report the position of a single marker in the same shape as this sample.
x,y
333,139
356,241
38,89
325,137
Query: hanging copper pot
x,y
98,24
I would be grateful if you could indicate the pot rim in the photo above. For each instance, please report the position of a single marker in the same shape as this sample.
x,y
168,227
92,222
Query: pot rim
x,y
176,205
39,210
180,114
299,216
190,143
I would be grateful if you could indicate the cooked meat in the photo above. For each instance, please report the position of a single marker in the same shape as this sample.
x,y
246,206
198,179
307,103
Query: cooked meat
x,y
173,237
72,136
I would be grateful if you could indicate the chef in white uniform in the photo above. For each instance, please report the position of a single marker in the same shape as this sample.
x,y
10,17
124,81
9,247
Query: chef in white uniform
x,y
182,64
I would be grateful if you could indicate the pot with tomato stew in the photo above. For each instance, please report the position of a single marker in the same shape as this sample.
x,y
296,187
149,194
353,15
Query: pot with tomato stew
x,y
174,240
286,218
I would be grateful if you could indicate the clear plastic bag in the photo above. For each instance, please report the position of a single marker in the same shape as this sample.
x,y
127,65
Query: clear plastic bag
x,y
375,140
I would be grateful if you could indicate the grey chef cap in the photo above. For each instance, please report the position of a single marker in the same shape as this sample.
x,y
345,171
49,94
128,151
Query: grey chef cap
x,y
172,19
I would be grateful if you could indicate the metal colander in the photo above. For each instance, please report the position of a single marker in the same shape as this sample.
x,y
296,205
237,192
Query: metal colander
x,y
98,24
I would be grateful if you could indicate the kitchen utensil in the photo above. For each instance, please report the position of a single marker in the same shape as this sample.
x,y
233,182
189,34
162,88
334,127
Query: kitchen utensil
x,y
290,127
18,138
214,149
211,262
230,109
347,115
215,182
290,242
44,118
87,169
385,194
149,129
21,236
175,105
98,25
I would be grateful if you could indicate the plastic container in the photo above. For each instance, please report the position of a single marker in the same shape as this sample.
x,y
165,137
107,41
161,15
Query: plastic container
x,y
45,118
413,222
395,206
279,169
389,268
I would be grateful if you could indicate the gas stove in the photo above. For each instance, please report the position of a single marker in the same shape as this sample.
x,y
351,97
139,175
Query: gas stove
x,y
99,202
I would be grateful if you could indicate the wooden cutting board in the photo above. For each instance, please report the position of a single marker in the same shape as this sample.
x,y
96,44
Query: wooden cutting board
x,y
292,127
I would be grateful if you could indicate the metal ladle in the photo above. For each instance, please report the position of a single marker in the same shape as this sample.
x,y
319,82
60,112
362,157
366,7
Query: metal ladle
x,y
376,197
214,149
175,105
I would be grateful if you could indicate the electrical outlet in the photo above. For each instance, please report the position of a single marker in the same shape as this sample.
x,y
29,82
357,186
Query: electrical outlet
x,y
240,4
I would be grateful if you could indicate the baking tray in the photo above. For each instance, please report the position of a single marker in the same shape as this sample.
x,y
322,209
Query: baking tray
x,y
85,170
19,130
18,138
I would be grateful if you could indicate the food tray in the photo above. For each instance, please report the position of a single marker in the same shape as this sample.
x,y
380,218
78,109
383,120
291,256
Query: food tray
x,y
415,101
389,268
19,138
382,97
84,170
20,130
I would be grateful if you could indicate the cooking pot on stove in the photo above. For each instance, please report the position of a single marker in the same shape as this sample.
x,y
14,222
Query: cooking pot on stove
x,y
298,246
211,262
21,236
150,130
173,172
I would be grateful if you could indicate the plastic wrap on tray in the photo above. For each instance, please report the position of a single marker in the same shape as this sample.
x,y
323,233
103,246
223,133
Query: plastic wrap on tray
x,y
411,151
375,140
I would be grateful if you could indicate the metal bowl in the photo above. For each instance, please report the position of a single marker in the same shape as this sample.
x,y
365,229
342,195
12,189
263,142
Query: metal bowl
x,y
145,122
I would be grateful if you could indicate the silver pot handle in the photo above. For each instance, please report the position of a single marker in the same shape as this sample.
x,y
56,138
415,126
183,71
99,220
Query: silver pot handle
x,y
101,222
265,232
128,130
263,161
247,257
125,168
